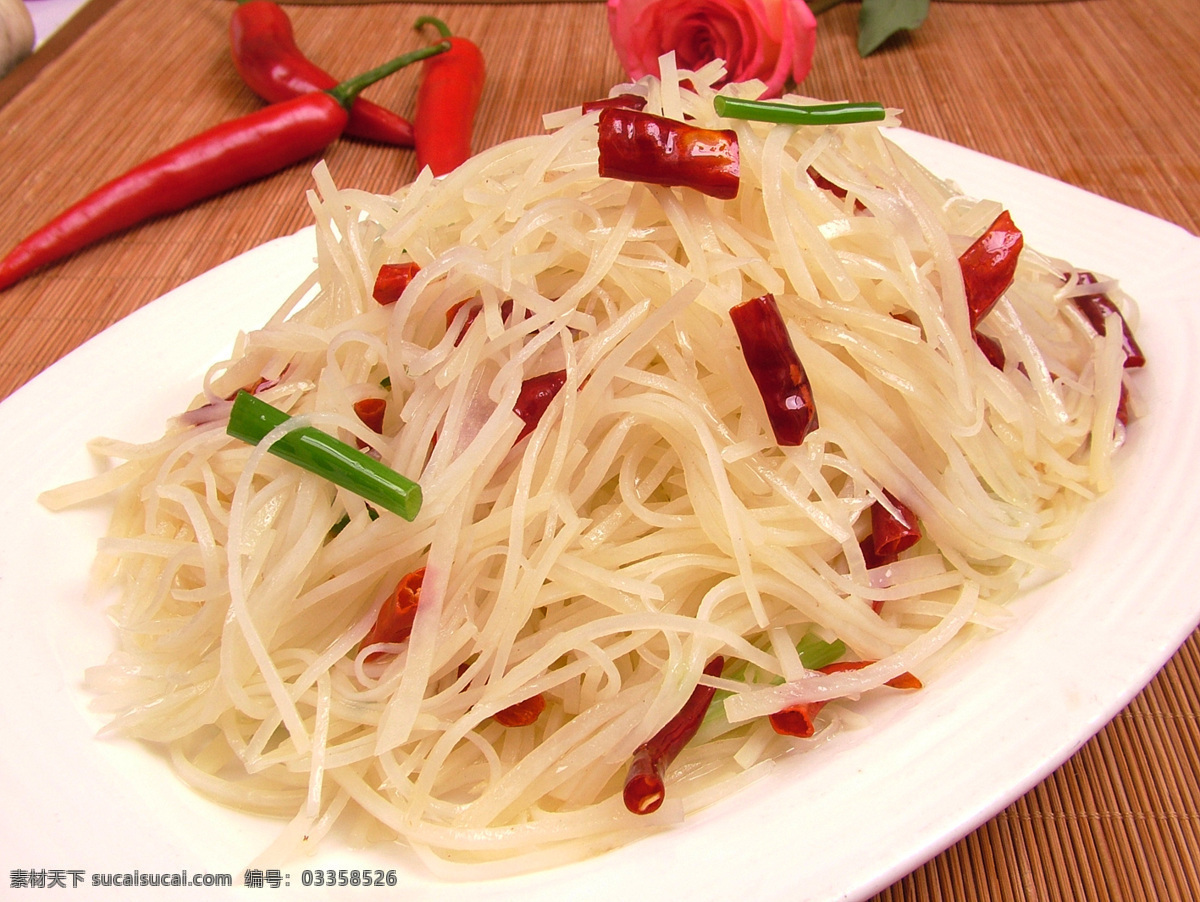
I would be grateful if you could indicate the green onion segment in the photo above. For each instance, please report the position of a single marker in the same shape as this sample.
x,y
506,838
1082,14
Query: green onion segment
x,y
815,652
320,453
846,113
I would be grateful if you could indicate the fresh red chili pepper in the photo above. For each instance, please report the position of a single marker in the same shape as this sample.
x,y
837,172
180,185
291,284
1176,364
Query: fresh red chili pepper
x,y
391,281
522,714
395,620
989,264
776,369
535,396
265,54
223,157
799,719
644,790
624,101
451,87
640,147
1097,307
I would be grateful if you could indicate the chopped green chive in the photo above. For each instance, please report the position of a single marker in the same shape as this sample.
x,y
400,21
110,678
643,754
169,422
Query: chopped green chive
x,y
318,452
341,524
795,114
815,652
336,529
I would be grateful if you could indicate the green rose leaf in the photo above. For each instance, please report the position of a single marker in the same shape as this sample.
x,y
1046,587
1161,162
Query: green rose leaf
x,y
878,20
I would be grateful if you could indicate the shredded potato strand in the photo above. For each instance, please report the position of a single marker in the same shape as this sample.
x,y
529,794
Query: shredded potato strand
x,y
648,522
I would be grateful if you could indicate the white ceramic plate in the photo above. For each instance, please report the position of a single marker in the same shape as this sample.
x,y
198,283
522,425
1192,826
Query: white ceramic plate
x,y
841,822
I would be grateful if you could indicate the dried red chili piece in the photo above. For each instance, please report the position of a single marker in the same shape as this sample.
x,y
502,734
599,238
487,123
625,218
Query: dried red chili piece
x,y
623,101
371,412
891,535
836,190
395,620
776,368
391,281
992,350
452,312
799,719
1123,406
644,790
535,396
1097,308
454,308
506,308
989,264
796,720
640,147
521,714
903,680
825,185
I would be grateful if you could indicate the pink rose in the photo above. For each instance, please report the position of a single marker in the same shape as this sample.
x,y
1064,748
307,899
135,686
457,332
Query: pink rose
x,y
771,40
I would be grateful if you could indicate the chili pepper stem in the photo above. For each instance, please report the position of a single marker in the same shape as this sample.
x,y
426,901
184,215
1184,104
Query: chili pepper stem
x,y
442,27
345,92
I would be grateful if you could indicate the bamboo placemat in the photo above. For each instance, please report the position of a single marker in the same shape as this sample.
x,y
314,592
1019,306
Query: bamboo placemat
x,y
1104,94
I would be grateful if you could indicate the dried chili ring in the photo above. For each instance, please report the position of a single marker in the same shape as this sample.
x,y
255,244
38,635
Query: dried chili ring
x,y
394,622
371,412
535,396
391,280
522,713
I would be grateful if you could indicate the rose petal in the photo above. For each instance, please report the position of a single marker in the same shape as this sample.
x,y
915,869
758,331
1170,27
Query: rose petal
x,y
771,40
713,31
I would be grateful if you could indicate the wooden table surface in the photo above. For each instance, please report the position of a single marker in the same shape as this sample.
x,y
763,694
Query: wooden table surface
x,y
1102,94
